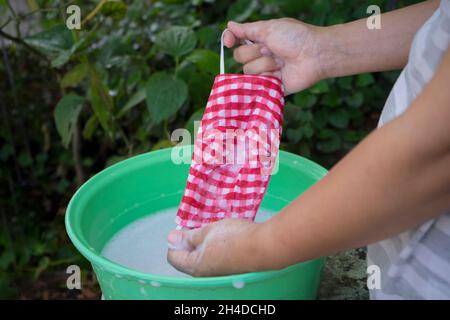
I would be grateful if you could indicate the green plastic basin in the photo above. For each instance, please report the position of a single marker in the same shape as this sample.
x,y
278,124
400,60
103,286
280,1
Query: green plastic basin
x,y
151,182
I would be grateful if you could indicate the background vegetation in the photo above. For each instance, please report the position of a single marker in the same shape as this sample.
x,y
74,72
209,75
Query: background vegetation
x,y
74,102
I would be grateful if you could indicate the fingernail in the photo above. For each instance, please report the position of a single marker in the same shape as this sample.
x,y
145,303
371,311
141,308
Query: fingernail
x,y
174,238
232,22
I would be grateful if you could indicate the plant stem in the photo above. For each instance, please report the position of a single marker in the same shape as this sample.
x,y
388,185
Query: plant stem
x,y
48,9
76,140
24,44
93,12
64,261
15,16
6,23
125,138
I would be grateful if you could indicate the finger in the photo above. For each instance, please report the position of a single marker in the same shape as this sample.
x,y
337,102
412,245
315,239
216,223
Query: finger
x,y
261,65
277,74
195,237
179,240
265,51
246,53
229,40
272,73
186,240
255,31
182,260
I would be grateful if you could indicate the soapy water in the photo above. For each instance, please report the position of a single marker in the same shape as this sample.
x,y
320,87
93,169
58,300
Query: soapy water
x,y
142,245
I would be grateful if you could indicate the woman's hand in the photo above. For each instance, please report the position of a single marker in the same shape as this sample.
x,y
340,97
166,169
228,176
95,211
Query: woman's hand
x,y
226,247
286,48
302,54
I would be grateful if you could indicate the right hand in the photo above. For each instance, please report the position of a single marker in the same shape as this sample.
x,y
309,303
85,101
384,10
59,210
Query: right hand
x,y
286,48
229,246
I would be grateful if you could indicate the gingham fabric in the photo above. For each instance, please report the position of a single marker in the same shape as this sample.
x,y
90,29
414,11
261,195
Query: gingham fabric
x,y
235,150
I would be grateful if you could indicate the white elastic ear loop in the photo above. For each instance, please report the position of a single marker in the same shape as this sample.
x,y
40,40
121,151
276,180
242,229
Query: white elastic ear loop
x,y
222,62
222,59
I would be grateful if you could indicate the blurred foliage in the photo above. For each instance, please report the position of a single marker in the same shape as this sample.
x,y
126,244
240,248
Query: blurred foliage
x,y
74,102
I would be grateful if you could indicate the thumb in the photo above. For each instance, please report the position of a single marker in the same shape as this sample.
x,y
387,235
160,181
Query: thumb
x,y
254,31
186,239
181,254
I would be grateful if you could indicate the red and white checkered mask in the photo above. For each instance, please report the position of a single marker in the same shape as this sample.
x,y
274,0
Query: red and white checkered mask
x,y
235,149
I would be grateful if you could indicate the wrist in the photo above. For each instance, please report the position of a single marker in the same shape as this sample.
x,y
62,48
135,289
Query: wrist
x,y
329,52
248,249
256,252
268,252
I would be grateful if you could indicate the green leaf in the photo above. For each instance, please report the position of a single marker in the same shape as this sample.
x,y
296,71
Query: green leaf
x,y
208,35
365,79
304,99
52,42
61,59
292,7
294,135
320,87
176,41
205,60
354,136
320,119
66,116
90,127
114,9
330,142
75,76
135,9
339,118
200,88
308,130
85,41
135,99
165,95
101,101
305,116
196,116
241,10
356,100
331,99
291,113
345,82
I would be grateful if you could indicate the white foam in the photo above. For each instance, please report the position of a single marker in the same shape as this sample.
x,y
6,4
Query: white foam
x,y
142,245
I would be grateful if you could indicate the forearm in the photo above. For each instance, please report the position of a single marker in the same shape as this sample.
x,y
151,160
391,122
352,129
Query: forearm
x,y
352,48
394,180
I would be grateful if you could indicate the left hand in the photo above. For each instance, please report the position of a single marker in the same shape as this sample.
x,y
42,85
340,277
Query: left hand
x,y
286,48
225,247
